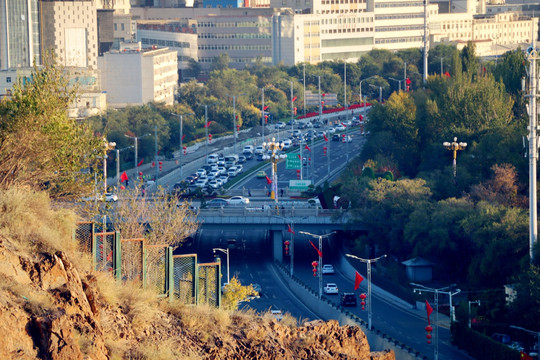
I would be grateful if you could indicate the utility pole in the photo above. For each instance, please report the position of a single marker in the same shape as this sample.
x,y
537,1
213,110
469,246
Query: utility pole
x,y
532,55
156,161
426,44
262,114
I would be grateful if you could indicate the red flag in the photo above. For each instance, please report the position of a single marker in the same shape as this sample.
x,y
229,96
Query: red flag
x,y
268,180
207,124
525,356
299,157
447,74
140,162
264,108
289,229
123,177
316,248
183,136
429,310
307,148
325,138
357,280
343,125
294,98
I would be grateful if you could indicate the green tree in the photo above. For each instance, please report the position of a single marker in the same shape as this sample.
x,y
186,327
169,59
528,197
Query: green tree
x,y
469,60
234,293
525,309
511,70
40,146
221,62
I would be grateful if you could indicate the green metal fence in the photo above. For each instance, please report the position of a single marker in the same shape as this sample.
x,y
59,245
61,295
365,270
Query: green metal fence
x,y
209,284
133,260
106,252
185,272
84,235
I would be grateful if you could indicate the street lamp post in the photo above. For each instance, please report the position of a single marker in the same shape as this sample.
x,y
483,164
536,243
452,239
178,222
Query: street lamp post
x,y
107,146
454,146
181,137
320,237
398,80
380,91
226,251
118,166
368,262
156,151
206,127
137,147
471,302
274,157
438,291
361,81
291,251
537,333
235,131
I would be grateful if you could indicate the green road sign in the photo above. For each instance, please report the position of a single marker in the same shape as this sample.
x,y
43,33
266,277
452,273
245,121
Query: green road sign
x,y
293,161
299,185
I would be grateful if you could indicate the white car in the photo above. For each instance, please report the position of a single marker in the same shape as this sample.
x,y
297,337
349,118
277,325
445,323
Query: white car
x,y
200,183
346,139
330,130
232,172
259,149
280,125
238,200
327,269
331,288
201,172
278,315
214,184
340,127
222,170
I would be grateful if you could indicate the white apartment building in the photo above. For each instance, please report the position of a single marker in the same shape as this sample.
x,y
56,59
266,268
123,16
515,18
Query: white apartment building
x,y
136,76
180,36
69,28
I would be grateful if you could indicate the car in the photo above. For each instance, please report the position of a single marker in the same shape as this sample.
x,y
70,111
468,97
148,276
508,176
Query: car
x,y
502,338
200,183
258,289
190,179
336,137
331,130
241,159
331,288
232,172
348,299
261,174
238,200
327,269
221,163
239,169
110,197
302,126
317,124
280,125
259,150
248,155
181,186
212,175
217,203
224,178
340,127
321,133
214,184
212,159
287,143
261,157
222,170
248,148
346,139
277,314
201,172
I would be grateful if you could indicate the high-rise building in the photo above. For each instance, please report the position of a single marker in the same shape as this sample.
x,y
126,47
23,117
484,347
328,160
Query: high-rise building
x,y
19,33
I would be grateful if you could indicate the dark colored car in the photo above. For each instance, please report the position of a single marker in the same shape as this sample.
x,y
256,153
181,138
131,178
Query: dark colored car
x,y
248,155
242,159
348,299
217,203
336,137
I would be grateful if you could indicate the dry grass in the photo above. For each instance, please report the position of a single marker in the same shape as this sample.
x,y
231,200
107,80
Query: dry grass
x,y
27,219
34,302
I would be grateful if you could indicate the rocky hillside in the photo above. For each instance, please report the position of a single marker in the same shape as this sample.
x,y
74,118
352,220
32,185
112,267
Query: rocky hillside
x,y
52,306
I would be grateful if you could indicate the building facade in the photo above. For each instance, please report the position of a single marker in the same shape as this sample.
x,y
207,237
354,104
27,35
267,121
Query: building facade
x,y
137,76
19,33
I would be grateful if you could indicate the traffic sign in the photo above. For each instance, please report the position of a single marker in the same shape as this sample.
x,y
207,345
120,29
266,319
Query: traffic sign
x,y
293,161
299,185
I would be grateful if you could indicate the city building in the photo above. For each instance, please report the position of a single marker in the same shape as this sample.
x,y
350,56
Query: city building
x,y
19,33
137,76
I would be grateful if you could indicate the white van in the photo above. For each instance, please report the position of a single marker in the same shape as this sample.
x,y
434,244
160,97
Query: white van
x,y
212,159
248,148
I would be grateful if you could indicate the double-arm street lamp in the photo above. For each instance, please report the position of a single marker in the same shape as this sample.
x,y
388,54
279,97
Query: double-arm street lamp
x,y
477,302
320,237
274,157
137,138
225,251
180,116
454,146
398,80
360,87
444,290
368,262
107,146
235,130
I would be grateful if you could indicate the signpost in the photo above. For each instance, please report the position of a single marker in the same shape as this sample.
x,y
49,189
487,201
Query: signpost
x,y
299,185
293,161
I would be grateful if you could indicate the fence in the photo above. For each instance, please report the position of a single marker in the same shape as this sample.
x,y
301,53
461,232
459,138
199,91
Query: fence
x,y
152,266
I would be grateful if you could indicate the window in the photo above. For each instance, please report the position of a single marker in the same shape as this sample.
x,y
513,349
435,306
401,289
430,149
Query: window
x,y
122,26
8,79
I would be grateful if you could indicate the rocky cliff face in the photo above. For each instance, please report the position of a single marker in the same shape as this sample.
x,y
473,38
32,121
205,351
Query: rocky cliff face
x,y
52,309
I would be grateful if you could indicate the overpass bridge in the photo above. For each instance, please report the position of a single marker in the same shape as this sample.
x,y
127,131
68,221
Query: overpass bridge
x,y
258,230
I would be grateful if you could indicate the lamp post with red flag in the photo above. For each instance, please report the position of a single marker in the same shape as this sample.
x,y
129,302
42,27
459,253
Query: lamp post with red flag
x,y
290,230
181,137
444,290
137,138
118,178
368,262
319,252
274,157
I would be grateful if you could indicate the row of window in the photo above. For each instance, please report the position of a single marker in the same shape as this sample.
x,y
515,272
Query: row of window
x,y
232,24
168,43
332,2
398,16
236,47
399,28
399,4
184,58
264,59
346,30
343,11
234,36
399,40
353,20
